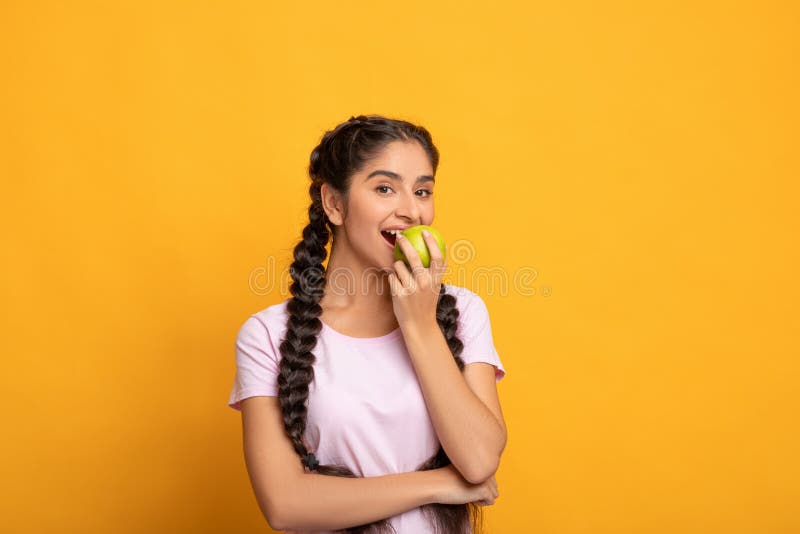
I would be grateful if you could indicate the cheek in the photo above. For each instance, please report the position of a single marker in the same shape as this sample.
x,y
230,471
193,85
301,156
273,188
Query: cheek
x,y
366,210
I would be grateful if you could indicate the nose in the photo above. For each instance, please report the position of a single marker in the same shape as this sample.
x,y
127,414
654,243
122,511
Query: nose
x,y
408,208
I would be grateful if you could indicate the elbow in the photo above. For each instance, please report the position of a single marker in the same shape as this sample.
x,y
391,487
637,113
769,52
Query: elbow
x,y
278,521
486,469
275,514
283,514
274,520
276,504
482,475
274,524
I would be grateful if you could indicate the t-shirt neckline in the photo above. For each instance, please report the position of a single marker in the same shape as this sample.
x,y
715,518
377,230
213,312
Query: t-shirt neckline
x,y
380,339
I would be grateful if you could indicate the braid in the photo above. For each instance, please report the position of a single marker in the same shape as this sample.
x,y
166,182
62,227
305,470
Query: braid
x,y
308,283
447,317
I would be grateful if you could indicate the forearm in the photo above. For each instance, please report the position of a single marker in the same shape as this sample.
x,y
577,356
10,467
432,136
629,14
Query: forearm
x,y
469,432
323,502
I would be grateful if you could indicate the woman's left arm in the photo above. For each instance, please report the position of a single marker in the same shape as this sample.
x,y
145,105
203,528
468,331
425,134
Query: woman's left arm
x,y
472,435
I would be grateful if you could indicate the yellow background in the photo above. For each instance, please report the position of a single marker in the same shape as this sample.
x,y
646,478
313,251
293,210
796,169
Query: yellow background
x,y
641,158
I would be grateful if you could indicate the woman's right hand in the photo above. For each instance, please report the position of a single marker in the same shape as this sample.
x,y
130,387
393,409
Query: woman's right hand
x,y
455,489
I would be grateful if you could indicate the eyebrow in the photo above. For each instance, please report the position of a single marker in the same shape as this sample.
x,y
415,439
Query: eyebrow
x,y
397,178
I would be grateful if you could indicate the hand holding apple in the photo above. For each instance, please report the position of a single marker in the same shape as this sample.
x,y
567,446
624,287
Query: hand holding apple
x,y
416,280
417,240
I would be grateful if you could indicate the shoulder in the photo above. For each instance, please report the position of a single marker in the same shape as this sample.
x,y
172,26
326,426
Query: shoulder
x,y
466,299
459,291
473,314
271,320
276,313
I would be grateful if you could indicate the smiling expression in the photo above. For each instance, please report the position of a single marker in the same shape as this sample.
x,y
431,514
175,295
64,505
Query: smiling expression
x,y
393,191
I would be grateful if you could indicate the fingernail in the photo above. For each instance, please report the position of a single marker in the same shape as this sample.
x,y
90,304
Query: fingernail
x,y
426,233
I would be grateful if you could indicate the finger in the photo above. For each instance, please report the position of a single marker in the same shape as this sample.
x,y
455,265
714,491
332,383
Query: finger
x,y
403,275
396,285
433,249
411,253
441,268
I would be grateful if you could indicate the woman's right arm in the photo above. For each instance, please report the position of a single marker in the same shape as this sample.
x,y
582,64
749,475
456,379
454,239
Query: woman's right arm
x,y
322,502
290,498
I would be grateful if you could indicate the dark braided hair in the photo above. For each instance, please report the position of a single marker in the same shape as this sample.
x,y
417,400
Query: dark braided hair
x,y
341,153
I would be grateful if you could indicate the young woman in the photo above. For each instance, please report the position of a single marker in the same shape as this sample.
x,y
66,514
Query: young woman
x,y
368,398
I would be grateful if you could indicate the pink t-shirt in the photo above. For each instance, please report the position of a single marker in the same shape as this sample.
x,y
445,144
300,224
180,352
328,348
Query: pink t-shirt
x,y
365,405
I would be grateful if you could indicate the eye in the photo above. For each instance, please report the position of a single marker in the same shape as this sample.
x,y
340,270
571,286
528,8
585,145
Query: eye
x,y
381,189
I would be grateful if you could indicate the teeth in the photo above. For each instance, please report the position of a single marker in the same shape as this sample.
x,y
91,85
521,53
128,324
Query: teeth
x,y
395,232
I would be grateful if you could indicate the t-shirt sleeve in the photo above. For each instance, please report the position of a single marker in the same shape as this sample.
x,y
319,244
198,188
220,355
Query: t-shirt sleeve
x,y
257,363
475,332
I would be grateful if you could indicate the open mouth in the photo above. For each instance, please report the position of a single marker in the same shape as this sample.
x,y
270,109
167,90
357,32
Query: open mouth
x,y
389,236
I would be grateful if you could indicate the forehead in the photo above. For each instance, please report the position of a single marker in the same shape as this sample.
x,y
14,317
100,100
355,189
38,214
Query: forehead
x,y
406,158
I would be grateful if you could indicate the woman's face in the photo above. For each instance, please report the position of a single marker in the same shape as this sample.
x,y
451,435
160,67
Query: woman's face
x,y
393,190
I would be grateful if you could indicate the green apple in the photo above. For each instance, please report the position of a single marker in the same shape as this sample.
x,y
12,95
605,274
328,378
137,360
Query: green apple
x,y
417,240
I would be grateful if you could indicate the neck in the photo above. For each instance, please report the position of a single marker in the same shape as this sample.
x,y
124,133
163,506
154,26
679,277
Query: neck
x,y
352,285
